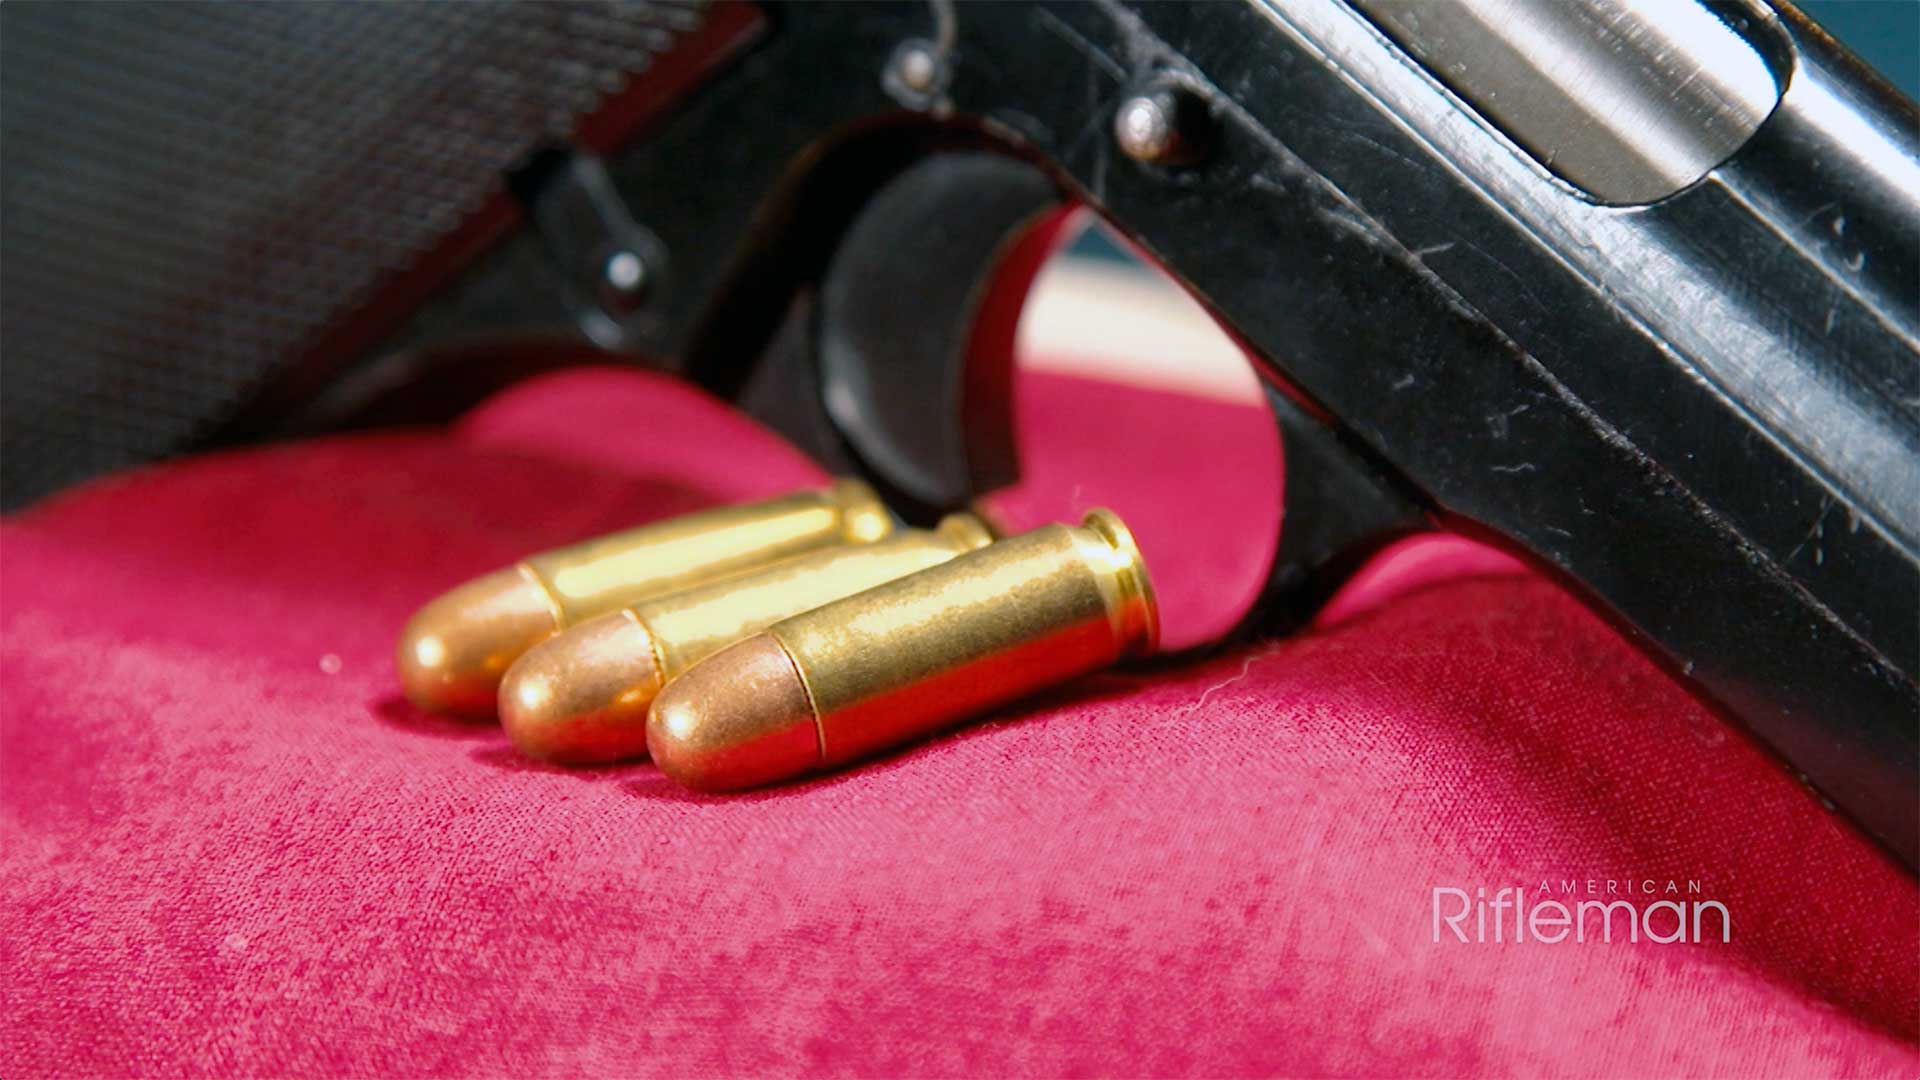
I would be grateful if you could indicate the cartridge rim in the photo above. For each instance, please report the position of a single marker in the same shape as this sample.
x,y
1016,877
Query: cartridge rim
x,y
967,531
1137,619
864,518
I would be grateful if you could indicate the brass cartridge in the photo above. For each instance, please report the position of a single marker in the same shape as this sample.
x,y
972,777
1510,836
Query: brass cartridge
x,y
906,658
454,650
582,697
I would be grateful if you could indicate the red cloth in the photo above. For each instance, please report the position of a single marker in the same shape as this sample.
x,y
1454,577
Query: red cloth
x,y
231,849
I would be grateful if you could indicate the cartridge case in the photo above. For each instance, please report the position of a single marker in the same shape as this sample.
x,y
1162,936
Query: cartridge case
x,y
453,652
906,658
582,697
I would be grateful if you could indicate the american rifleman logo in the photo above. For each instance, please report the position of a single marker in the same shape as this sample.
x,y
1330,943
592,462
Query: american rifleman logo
x,y
1605,910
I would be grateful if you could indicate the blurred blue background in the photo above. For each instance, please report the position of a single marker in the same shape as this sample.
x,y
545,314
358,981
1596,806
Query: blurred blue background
x,y
1886,34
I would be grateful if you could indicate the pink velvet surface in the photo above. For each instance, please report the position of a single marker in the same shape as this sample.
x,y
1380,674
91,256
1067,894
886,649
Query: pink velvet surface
x,y
231,849
1197,480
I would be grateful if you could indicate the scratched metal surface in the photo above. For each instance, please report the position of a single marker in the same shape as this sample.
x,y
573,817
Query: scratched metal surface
x,y
1747,349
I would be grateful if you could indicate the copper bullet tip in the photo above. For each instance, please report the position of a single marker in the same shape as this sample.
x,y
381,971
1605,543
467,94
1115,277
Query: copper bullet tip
x,y
454,650
737,719
581,698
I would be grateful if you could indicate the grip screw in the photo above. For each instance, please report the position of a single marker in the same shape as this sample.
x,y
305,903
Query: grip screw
x,y
623,281
1162,126
916,67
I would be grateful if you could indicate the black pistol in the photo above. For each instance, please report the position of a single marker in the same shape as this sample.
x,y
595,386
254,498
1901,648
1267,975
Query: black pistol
x,y
1626,286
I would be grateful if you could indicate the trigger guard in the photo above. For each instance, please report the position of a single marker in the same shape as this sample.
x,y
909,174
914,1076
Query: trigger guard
x,y
1337,509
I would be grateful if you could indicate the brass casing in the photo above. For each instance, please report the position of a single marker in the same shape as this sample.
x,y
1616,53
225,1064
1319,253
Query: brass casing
x,y
693,624
454,650
582,697
610,572
908,657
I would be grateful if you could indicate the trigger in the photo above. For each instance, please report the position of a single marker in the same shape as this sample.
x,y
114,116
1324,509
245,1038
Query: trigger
x,y
914,325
